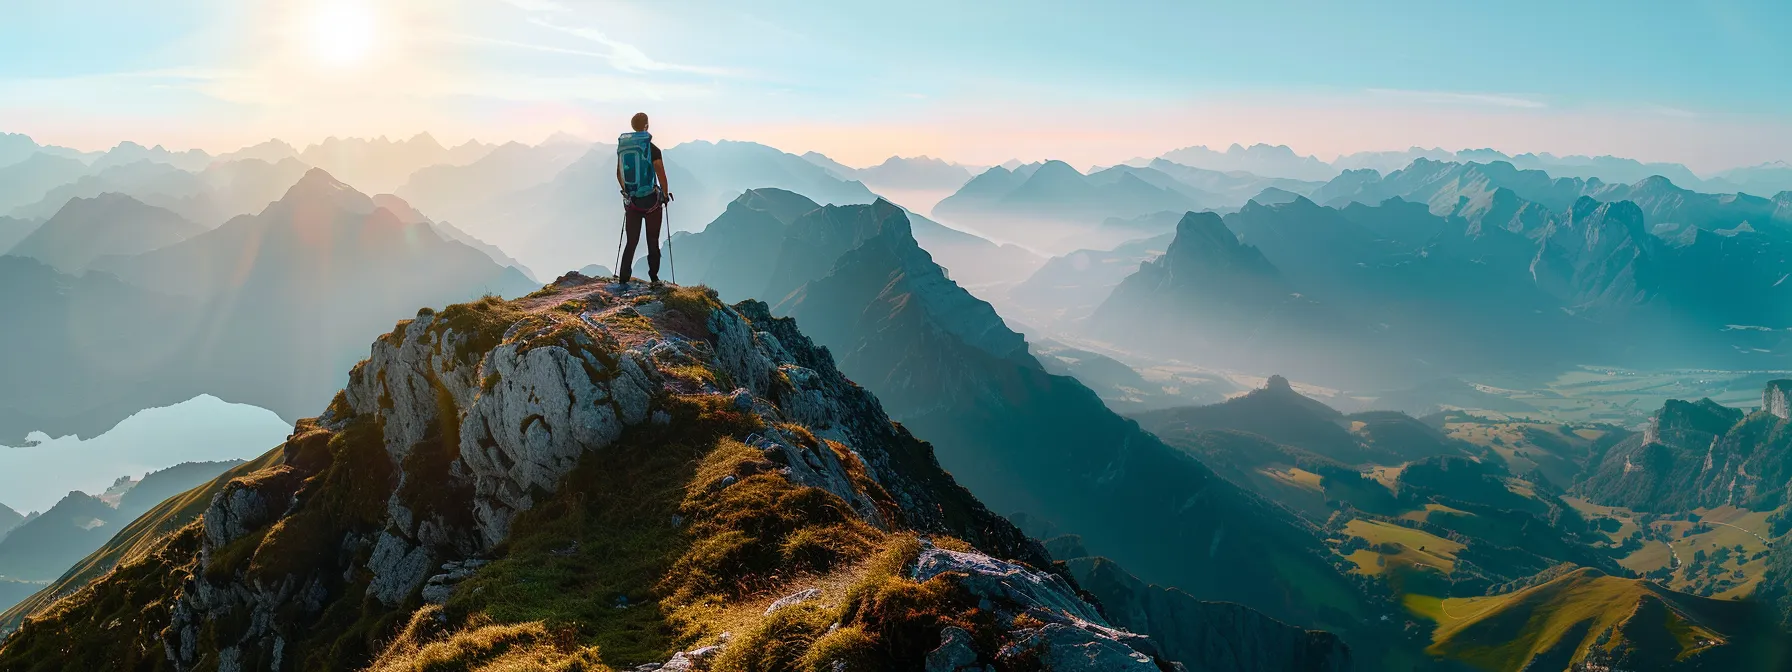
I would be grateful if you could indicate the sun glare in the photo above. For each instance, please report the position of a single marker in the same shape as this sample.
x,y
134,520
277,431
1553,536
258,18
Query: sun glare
x,y
342,33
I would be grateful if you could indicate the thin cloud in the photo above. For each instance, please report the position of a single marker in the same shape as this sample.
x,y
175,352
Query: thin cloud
x,y
1462,98
622,55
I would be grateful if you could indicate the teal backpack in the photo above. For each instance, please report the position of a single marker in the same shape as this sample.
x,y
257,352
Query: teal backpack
x,y
634,153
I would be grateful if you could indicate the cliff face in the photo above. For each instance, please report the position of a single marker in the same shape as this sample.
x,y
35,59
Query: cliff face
x,y
591,479
1701,454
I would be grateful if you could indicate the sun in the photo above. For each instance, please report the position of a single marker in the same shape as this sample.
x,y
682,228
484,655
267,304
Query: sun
x,y
342,33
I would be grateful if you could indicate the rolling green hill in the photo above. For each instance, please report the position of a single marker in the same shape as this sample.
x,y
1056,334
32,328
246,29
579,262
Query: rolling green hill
x,y
1585,616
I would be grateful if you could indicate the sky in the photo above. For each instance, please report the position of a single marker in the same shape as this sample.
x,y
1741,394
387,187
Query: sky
x,y
1702,83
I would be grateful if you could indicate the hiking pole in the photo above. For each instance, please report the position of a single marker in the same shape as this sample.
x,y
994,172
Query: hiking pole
x,y
617,269
671,264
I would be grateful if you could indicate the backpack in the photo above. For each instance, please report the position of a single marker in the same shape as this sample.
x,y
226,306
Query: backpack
x,y
634,153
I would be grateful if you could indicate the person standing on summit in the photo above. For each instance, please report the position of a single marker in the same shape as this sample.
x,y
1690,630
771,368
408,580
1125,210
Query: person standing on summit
x,y
641,174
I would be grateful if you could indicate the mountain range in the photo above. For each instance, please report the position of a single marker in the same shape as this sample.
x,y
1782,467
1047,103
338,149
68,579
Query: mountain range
x,y
1414,292
109,224
259,310
920,173
1279,161
208,197
1258,159
1051,207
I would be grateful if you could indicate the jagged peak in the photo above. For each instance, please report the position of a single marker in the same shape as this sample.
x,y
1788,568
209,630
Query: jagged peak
x,y
1205,226
1588,211
1277,383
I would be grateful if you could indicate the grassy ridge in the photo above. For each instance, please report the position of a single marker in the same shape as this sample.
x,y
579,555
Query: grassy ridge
x,y
136,541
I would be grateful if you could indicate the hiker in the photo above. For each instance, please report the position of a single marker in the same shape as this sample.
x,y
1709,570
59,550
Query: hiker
x,y
642,177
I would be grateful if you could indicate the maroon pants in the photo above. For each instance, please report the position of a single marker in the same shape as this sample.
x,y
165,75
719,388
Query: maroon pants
x,y
647,211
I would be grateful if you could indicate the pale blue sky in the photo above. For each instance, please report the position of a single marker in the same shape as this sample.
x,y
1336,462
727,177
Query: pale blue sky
x,y
1698,82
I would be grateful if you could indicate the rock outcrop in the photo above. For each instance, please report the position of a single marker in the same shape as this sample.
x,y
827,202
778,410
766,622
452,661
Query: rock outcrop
x,y
1777,399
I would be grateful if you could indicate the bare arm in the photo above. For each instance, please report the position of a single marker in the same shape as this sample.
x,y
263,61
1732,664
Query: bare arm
x,y
660,168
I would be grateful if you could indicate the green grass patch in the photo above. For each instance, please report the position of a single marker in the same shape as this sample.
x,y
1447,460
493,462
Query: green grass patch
x,y
696,302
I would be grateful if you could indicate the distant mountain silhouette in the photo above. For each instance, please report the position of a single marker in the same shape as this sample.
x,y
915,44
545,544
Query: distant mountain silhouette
x,y
9,520
1074,284
1502,194
1772,177
1212,298
921,172
730,253
14,230
447,231
1232,188
15,147
109,224
836,168
917,173
207,198
97,349
453,192
1259,159
1389,294
45,546
292,283
128,152
269,151
30,180
1053,208
378,165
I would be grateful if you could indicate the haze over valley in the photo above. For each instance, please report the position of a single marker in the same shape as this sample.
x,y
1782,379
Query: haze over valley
x,y
967,338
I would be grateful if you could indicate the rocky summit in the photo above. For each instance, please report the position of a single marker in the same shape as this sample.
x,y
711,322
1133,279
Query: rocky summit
x,y
589,478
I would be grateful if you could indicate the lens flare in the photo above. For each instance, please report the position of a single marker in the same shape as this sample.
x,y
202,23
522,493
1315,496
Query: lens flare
x,y
342,33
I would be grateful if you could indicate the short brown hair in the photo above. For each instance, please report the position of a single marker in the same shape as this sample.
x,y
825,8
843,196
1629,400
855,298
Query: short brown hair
x,y
639,121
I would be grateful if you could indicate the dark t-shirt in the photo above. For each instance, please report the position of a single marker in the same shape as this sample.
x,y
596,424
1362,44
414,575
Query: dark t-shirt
x,y
654,152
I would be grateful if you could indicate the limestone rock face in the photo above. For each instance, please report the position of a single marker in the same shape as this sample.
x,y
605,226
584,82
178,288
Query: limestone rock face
x,y
1700,455
1777,399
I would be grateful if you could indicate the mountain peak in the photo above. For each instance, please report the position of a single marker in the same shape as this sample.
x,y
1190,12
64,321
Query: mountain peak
x,y
1205,226
317,186
1277,383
